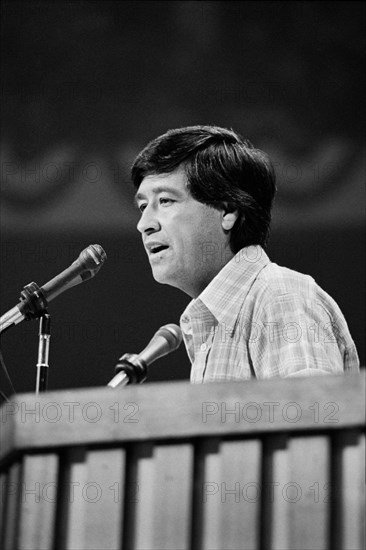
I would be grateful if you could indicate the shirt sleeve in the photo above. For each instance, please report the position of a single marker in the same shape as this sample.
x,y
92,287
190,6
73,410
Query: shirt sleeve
x,y
293,336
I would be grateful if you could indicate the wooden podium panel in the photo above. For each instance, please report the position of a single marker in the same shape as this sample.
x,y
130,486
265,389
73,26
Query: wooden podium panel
x,y
269,465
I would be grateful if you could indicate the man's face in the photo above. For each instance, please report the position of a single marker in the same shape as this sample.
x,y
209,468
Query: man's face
x,y
184,239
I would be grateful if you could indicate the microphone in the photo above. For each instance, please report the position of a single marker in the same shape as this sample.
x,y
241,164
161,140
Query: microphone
x,y
34,300
132,368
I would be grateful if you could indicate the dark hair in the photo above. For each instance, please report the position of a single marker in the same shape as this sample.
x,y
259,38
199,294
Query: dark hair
x,y
220,167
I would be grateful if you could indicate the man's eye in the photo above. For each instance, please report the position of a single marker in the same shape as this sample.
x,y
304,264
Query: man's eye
x,y
164,200
142,207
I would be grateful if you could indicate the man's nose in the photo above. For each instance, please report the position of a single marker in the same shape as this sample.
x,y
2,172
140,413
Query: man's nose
x,y
148,222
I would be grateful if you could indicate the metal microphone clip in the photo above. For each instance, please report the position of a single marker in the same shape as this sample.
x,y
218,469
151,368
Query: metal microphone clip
x,y
130,369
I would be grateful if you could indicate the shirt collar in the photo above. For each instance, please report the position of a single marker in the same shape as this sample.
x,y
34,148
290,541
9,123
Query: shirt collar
x,y
220,296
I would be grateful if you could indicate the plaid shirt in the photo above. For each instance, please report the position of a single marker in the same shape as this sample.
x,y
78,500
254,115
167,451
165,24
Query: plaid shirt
x,y
257,319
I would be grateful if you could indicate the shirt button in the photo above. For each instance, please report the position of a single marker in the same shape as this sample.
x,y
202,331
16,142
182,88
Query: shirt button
x,y
203,347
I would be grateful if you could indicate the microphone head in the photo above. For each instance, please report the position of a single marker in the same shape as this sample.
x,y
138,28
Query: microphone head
x,y
92,258
167,339
173,334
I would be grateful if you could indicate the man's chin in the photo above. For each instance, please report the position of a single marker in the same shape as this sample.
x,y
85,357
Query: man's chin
x,y
163,277
159,274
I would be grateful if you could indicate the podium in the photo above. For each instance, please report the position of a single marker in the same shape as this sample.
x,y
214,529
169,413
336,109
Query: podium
x,y
262,465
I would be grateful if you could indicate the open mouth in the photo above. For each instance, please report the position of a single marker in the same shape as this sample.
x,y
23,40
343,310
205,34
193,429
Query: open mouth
x,y
157,249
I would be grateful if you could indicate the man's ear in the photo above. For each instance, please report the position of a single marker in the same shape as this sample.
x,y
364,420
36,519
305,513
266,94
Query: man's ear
x,y
229,216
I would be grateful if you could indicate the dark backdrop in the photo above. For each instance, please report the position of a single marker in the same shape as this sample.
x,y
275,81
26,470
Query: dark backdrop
x,y
86,84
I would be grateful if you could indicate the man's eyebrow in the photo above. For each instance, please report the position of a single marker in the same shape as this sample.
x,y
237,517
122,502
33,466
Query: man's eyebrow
x,y
157,190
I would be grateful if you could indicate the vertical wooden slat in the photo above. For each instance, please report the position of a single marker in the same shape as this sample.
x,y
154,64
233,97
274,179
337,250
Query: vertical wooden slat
x,y
231,495
13,491
38,503
307,492
2,505
140,473
275,528
299,493
349,491
93,500
163,488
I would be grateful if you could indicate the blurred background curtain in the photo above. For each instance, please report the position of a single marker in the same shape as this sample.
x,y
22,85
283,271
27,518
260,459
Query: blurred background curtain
x,y
85,85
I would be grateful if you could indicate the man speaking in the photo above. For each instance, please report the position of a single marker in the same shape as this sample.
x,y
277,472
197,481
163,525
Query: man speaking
x,y
205,197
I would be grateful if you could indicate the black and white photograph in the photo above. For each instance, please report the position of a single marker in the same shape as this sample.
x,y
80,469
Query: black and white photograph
x,y
182,284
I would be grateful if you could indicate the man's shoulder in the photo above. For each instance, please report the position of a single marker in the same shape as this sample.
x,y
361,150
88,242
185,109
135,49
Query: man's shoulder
x,y
276,281
282,287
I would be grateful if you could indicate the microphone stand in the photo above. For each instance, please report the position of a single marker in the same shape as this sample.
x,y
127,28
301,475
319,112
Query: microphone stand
x,y
130,369
33,305
43,353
